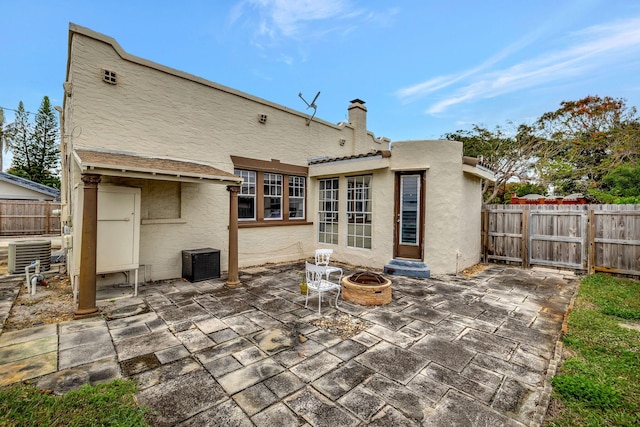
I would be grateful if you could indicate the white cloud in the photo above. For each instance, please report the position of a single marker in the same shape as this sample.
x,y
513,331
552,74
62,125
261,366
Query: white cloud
x,y
274,20
596,47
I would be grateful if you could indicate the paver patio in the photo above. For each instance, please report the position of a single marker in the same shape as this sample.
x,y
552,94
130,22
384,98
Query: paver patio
x,y
447,351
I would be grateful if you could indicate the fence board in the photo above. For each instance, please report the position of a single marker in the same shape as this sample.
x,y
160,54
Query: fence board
x,y
24,218
592,237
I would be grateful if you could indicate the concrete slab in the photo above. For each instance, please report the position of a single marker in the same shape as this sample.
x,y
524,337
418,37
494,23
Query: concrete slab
x,y
451,354
245,377
145,344
319,411
99,334
458,410
390,416
30,334
393,362
28,349
342,380
284,384
276,415
227,413
316,366
254,399
406,401
84,354
361,402
168,400
27,368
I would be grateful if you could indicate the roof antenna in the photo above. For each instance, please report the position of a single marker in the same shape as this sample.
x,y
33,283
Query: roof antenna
x,y
310,105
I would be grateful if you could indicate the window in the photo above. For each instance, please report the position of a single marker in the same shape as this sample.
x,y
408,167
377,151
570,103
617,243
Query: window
x,y
296,197
272,193
359,211
328,210
272,196
247,196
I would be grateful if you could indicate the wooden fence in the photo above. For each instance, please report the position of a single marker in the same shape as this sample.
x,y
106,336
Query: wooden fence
x,y
28,218
579,237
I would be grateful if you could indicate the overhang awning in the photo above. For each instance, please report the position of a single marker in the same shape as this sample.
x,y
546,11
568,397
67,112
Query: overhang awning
x,y
358,163
131,165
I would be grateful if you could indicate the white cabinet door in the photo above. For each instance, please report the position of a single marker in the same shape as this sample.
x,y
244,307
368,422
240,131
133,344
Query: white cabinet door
x,y
118,238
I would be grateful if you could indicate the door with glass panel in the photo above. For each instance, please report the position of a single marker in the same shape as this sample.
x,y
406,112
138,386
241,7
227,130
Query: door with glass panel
x,y
409,215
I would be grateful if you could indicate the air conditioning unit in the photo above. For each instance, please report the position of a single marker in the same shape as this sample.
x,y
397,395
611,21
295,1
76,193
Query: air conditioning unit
x,y
23,253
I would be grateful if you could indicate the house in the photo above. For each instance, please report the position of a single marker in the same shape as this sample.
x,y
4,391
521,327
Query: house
x,y
162,161
13,187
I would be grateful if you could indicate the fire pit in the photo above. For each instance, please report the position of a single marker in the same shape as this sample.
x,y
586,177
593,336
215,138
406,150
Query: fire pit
x,y
366,288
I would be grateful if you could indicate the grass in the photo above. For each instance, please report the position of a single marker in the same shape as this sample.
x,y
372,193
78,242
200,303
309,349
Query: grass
x,y
108,404
599,383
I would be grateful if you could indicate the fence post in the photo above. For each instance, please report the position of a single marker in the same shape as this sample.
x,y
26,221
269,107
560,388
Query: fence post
x,y
47,218
591,232
485,234
524,244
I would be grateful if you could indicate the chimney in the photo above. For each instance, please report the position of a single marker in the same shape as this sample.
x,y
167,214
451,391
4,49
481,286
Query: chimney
x,y
358,119
358,114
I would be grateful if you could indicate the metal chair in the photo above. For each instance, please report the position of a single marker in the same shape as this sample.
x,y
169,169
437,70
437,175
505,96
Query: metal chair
x,y
322,258
316,281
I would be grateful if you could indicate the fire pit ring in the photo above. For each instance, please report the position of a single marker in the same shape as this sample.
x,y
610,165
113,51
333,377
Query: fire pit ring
x,y
366,288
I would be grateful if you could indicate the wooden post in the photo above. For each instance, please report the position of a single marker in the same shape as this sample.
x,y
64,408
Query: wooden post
x,y
524,243
47,226
87,286
485,234
233,280
592,241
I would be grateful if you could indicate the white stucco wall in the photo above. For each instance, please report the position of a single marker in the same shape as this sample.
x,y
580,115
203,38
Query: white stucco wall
x,y
15,192
157,111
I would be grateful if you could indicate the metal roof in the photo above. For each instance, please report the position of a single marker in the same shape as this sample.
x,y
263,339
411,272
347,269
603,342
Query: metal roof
x,y
26,183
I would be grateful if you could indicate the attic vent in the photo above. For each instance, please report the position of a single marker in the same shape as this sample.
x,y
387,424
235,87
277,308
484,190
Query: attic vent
x,y
23,253
109,77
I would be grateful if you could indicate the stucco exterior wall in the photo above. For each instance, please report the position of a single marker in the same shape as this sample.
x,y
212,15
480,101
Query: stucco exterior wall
x,y
447,208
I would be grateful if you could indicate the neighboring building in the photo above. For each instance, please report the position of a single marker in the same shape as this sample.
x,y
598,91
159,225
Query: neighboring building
x,y
167,145
13,187
537,199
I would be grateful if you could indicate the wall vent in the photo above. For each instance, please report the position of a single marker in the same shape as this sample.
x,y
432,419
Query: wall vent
x,y
262,118
109,77
23,253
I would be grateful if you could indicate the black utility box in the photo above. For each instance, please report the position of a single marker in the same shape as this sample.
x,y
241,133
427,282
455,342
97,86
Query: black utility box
x,y
200,264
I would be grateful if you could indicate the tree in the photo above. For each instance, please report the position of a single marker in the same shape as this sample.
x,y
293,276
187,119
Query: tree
x,y
620,185
34,147
512,157
593,135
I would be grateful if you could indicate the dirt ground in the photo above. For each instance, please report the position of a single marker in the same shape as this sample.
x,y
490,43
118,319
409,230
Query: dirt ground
x,y
51,304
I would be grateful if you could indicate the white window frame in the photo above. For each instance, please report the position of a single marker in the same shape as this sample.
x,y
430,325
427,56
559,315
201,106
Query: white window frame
x,y
272,190
297,190
249,183
359,212
328,218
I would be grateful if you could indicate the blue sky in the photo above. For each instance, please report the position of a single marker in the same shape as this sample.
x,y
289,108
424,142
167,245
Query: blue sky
x,y
424,68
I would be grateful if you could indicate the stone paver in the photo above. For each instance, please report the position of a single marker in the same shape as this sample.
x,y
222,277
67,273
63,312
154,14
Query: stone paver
x,y
446,351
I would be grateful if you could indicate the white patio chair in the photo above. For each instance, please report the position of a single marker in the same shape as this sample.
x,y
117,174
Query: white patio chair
x,y
316,281
322,258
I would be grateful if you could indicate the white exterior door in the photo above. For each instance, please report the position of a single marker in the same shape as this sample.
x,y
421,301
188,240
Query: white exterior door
x,y
118,229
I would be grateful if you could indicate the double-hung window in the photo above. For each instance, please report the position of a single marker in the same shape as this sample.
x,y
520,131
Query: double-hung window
x,y
272,193
272,196
247,196
296,197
